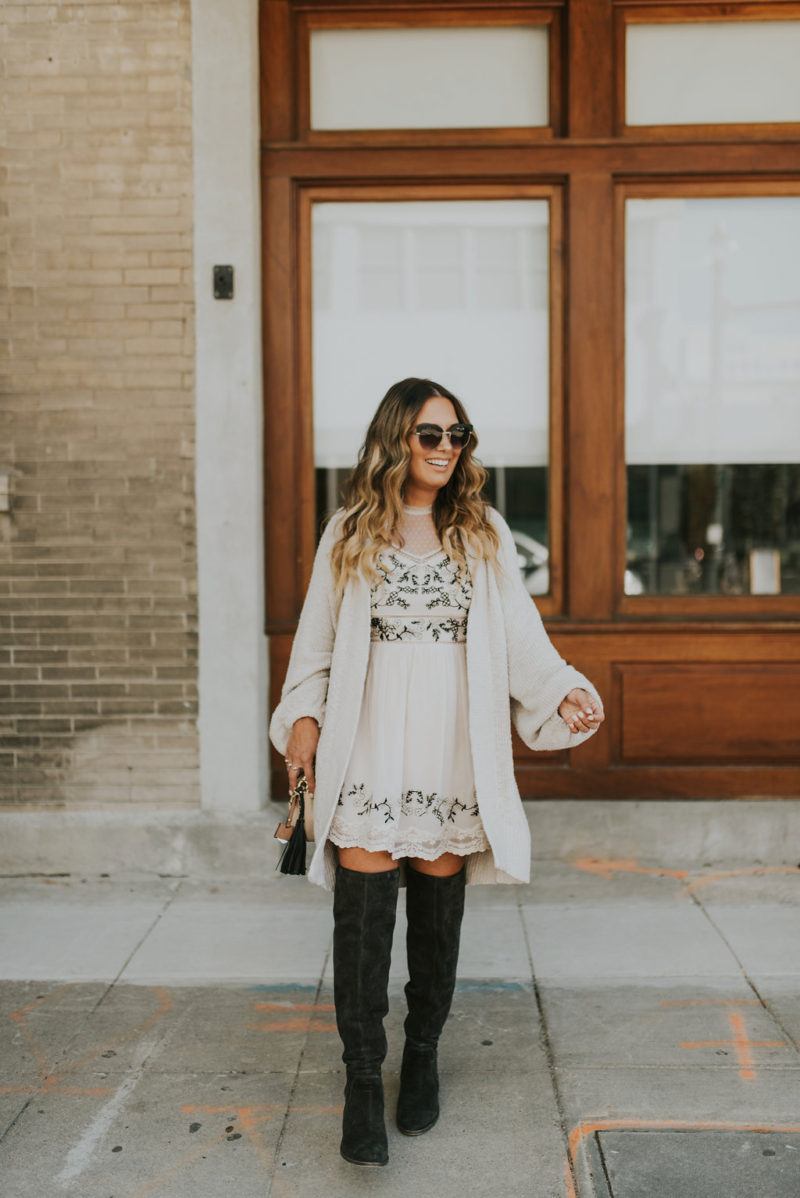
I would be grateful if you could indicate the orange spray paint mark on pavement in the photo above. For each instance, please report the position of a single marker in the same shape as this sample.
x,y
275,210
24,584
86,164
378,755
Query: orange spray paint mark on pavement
x,y
739,1039
298,1024
54,1081
250,1119
740,1042
608,867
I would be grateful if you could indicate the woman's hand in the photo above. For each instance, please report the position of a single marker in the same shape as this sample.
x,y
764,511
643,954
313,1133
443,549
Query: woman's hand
x,y
300,751
580,711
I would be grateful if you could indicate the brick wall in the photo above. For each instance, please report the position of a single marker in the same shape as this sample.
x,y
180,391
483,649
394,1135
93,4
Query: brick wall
x,y
98,644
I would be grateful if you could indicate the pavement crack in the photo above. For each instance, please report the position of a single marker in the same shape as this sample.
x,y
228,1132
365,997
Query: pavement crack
x,y
787,1035
174,889
301,1055
549,1052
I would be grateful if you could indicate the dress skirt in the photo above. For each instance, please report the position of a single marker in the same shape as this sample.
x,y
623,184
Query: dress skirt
x,y
409,787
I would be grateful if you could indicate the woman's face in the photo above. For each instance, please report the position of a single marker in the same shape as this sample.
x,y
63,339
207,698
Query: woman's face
x,y
431,469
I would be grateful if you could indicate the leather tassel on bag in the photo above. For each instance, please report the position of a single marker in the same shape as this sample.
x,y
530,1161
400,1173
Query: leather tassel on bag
x,y
297,830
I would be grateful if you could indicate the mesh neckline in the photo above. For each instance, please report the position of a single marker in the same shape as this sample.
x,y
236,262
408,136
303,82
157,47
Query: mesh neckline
x,y
419,557
416,533
418,511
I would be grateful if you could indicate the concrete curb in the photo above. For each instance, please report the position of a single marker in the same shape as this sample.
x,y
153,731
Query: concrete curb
x,y
711,832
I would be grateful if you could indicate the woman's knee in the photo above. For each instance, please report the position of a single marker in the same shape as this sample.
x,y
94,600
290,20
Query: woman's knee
x,y
364,862
444,866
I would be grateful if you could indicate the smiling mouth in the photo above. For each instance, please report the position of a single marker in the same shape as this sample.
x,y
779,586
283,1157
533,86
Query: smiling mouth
x,y
438,463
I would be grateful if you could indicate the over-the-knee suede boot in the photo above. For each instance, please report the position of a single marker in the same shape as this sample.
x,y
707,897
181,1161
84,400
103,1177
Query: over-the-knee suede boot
x,y
364,910
435,908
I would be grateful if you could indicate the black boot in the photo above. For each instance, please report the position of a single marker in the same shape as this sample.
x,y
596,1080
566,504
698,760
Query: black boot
x,y
364,909
435,908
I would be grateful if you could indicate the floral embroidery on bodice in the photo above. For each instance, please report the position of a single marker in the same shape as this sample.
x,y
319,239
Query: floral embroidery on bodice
x,y
420,599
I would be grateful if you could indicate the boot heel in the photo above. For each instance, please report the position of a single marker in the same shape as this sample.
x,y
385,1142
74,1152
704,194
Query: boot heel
x,y
364,1139
418,1100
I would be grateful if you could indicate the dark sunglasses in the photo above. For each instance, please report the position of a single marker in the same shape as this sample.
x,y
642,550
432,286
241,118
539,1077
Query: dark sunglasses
x,y
430,435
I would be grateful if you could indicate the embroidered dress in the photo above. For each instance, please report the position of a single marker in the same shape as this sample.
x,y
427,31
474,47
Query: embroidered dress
x,y
409,785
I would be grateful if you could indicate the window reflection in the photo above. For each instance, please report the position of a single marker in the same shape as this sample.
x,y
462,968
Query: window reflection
x,y
518,492
714,529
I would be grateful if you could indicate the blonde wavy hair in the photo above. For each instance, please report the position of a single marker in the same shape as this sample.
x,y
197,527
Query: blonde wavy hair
x,y
373,493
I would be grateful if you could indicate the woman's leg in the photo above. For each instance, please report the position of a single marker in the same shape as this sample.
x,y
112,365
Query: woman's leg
x,y
435,907
364,862
443,867
364,908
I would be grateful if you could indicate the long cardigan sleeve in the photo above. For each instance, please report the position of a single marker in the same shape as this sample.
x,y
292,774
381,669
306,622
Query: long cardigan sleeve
x,y
305,690
539,678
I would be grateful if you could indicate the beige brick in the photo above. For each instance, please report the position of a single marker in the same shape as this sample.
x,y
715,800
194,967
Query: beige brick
x,y
165,83
14,14
25,102
118,294
133,258
167,328
159,311
171,258
139,224
117,118
151,206
153,276
42,139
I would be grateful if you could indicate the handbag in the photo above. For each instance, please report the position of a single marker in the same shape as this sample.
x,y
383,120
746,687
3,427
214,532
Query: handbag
x,y
296,829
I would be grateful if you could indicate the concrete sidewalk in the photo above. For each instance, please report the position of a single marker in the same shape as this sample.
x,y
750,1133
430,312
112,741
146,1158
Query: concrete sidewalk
x,y
621,1029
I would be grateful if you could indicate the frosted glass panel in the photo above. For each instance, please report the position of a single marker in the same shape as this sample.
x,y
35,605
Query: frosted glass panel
x,y
429,78
712,394
453,291
717,72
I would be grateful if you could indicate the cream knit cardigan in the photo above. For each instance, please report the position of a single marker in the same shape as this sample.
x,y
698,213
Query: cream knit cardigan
x,y
514,673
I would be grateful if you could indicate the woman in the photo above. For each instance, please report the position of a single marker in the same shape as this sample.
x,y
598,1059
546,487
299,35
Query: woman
x,y
416,646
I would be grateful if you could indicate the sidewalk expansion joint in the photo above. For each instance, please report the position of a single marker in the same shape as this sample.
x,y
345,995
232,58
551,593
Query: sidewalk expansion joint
x,y
301,1056
174,889
549,1053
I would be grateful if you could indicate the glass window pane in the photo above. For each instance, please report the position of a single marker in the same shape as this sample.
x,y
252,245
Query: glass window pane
x,y
712,72
712,395
429,78
455,291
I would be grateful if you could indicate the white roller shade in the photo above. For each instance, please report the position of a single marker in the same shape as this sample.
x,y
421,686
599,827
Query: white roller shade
x,y
712,330
712,72
429,78
455,291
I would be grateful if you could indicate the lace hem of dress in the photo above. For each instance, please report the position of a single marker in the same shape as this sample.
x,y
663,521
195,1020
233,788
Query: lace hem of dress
x,y
410,843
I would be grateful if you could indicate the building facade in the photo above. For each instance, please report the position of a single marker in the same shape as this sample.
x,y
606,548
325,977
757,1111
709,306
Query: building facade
x,y
583,218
